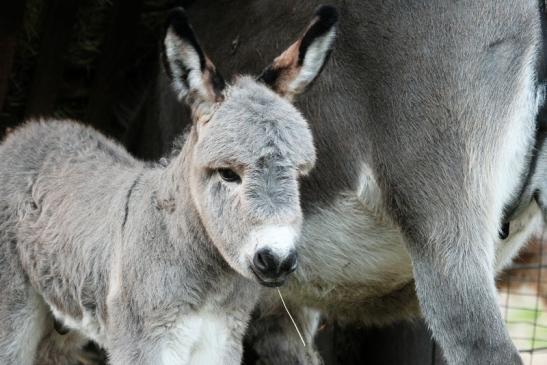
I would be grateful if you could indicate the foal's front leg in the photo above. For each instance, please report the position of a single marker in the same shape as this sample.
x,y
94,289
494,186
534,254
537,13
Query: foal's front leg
x,y
138,340
130,348
220,337
197,338
135,338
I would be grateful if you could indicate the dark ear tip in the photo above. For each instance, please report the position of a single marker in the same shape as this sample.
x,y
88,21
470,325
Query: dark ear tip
x,y
177,15
178,21
327,14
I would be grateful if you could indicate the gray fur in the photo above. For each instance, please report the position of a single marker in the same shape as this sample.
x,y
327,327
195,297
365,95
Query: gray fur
x,y
148,261
424,124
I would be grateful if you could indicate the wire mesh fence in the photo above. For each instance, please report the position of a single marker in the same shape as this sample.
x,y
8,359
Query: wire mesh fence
x,y
523,300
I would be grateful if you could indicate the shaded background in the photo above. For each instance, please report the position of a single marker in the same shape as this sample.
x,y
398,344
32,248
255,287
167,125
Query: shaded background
x,y
94,60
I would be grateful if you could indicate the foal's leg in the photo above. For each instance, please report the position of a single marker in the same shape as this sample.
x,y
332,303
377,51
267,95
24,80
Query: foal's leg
x,y
193,338
23,316
135,338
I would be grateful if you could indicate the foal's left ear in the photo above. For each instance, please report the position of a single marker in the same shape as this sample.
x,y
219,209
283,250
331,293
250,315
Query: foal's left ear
x,y
295,69
193,76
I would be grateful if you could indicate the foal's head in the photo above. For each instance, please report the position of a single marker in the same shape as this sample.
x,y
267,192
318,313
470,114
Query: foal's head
x,y
250,146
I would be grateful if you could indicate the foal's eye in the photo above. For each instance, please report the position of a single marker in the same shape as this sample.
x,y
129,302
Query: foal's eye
x,y
229,175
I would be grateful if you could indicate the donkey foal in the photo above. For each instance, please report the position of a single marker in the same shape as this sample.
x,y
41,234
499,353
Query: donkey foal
x,y
156,263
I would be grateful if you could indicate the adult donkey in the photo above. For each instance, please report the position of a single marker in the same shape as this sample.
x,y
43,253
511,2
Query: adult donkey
x,y
424,125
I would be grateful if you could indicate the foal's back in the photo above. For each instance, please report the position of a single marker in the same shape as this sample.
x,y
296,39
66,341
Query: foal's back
x,y
78,154
67,165
63,189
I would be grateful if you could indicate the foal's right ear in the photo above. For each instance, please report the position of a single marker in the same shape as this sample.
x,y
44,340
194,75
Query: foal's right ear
x,y
294,70
193,76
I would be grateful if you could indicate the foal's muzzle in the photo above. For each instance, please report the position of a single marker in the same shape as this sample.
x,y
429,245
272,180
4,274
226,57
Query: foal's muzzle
x,y
271,269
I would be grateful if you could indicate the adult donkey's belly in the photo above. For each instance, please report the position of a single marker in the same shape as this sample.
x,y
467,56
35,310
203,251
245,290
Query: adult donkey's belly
x,y
354,264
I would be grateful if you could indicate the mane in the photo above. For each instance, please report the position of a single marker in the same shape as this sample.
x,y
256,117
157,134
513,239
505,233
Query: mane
x,y
176,146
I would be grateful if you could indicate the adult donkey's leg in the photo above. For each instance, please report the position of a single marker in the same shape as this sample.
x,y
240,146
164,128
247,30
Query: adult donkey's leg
x,y
450,150
451,243
455,161
458,298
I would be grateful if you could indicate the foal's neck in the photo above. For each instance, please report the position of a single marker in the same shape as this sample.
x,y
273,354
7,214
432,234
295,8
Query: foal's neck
x,y
182,219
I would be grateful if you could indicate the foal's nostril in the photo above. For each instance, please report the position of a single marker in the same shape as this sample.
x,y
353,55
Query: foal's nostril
x,y
269,265
290,263
266,262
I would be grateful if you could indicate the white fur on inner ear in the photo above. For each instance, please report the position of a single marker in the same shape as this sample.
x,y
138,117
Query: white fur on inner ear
x,y
189,77
314,60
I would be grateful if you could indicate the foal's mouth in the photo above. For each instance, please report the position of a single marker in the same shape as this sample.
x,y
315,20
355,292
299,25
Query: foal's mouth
x,y
270,283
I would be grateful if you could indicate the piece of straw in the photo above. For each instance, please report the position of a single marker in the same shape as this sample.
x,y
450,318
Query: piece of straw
x,y
292,319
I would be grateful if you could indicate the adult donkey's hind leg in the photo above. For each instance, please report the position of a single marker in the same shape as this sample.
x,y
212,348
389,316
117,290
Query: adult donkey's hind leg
x,y
463,126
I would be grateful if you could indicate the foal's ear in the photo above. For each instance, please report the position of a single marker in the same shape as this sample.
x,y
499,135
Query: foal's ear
x,y
193,76
295,69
